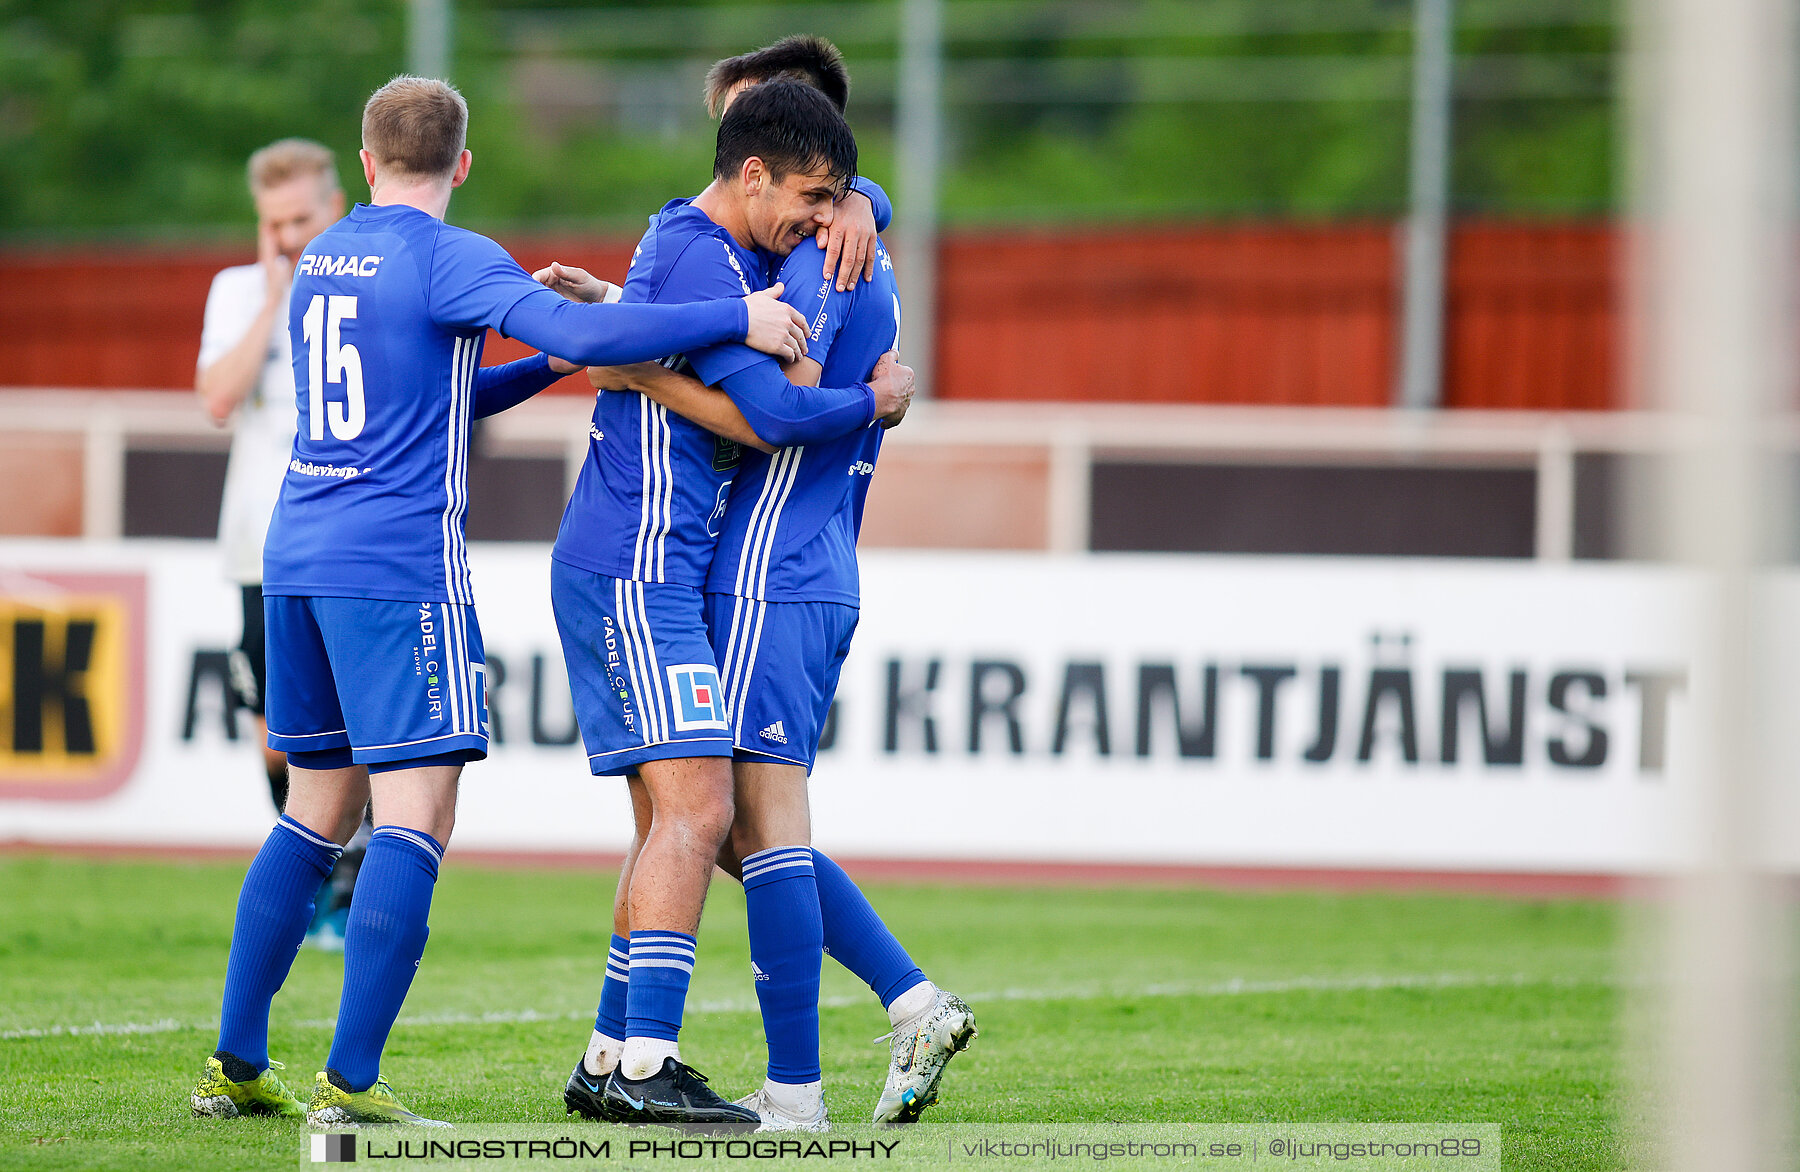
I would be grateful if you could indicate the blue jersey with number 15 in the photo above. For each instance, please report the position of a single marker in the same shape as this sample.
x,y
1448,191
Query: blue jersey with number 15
x,y
790,531
389,310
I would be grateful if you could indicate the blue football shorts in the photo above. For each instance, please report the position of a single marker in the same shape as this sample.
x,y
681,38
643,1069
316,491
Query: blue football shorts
x,y
780,662
392,681
641,670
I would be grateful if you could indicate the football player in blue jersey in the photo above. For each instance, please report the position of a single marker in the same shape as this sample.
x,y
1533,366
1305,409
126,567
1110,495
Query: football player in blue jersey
x,y
782,599
375,686
632,557
849,239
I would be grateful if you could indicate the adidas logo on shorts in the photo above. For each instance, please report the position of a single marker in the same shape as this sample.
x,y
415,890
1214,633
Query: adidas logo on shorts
x,y
756,969
774,733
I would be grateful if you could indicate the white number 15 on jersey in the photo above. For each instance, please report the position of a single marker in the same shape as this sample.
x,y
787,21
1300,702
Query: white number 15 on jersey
x,y
336,362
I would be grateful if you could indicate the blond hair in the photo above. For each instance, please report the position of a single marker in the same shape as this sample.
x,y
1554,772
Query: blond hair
x,y
292,158
415,126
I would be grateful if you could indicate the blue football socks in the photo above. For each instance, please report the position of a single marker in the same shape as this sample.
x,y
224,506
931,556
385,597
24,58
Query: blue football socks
x,y
610,1018
274,908
856,938
661,965
781,899
382,945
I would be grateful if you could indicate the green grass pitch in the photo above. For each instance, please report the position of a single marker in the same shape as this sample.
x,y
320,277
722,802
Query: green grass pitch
x,y
1095,1004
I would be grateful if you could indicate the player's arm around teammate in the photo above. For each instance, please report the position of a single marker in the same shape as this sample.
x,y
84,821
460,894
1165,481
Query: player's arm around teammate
x,y
631,557
778,700
714,410
890,383
851,321
428,793
786,912
377,690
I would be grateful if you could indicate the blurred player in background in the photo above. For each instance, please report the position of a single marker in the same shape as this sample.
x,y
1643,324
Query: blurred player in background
x,y
376,663
246,378
796,898
632,557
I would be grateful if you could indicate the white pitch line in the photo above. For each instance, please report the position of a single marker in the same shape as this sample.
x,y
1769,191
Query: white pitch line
x,y
164,1025
1236,987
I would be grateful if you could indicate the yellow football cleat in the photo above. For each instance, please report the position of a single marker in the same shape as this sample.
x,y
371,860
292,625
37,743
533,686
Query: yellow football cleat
x,y
216,1096
334,1106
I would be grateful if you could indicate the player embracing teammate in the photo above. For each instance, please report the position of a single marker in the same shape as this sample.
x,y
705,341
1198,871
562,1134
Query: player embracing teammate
x,y
701,623
375,684
781,597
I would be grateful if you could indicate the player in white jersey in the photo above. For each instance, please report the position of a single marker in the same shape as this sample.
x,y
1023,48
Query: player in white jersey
x,y
245,378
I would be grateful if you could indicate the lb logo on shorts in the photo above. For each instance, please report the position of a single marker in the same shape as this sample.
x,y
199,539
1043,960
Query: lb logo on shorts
x,y
694,687
71,682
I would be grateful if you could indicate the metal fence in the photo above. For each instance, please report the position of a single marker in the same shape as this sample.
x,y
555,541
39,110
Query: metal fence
x,y
937,81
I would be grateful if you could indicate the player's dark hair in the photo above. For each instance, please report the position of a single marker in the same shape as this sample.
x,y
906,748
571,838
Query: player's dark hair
x,y
802,57
415,126
791,127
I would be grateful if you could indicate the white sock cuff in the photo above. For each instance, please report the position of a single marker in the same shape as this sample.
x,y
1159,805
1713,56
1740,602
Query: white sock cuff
x,y
798,1099
602,1054
913,1002
643,1057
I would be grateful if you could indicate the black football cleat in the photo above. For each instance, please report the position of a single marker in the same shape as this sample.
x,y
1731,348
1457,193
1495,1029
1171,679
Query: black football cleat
x,y
585,1095
676,1096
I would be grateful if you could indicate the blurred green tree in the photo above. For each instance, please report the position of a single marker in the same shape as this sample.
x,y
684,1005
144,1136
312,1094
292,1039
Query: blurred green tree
x,y
133,118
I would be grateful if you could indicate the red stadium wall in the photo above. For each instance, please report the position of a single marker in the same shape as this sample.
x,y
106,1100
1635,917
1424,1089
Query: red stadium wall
x,y
1535,318
1266,314
1258,314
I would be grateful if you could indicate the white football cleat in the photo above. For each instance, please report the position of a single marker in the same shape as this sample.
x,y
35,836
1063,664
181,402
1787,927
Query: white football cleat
x,y
774,1118
922,1046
